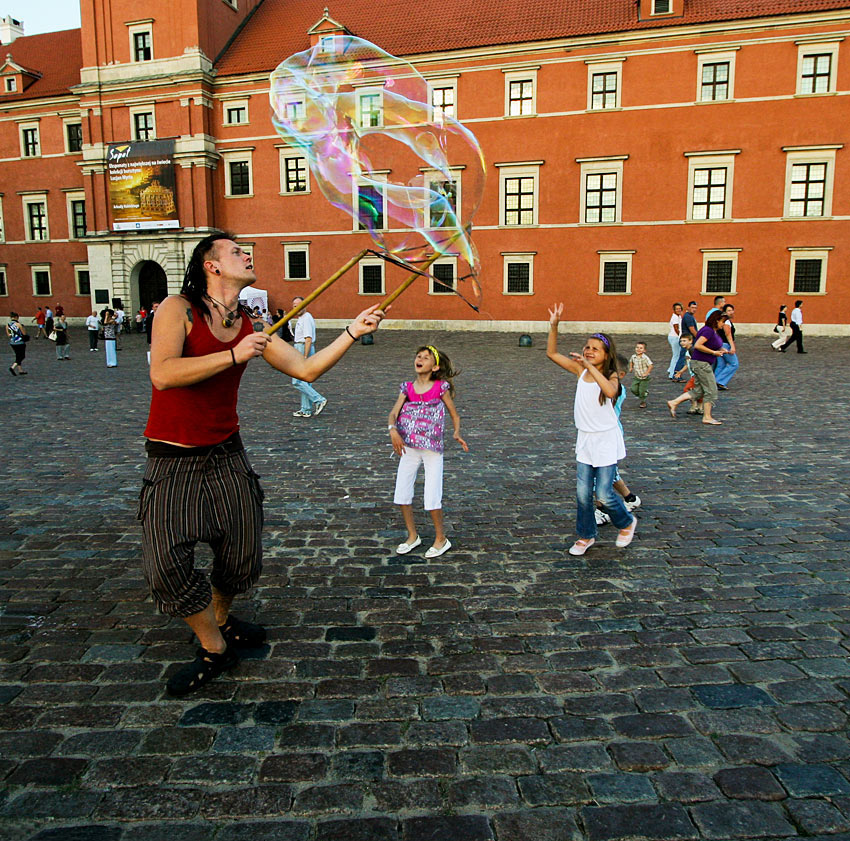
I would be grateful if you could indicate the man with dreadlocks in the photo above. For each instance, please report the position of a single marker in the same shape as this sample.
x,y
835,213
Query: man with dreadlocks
x,y
198,484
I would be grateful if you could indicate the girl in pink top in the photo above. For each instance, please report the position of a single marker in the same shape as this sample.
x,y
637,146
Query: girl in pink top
x,y
416,431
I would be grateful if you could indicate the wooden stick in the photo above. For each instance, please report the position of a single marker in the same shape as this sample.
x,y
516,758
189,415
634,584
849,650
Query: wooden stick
x,y
316,292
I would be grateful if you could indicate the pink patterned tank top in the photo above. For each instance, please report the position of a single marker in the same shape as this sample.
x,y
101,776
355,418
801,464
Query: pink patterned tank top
x,y
420,421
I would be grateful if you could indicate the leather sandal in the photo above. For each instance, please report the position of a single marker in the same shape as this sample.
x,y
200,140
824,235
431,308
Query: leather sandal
x,y
205,667
242,634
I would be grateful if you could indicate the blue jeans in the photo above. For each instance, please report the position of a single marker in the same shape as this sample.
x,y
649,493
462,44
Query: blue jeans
x,y
111,356
675,353
600,479
309,395
726,366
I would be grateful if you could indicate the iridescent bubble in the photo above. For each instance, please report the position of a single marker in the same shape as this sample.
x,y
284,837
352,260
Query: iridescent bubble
x,y
409,174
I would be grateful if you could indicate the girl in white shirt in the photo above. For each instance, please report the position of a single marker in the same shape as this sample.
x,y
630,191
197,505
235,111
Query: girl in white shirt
x,y
599,439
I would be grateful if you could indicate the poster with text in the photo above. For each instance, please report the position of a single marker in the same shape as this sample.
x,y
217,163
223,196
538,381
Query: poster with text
x,y
142,188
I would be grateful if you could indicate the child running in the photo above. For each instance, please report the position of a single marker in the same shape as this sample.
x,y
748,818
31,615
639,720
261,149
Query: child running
x,y
599,441
416,432
641,365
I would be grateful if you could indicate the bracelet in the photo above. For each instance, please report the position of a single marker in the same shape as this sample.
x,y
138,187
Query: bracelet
x,y
390,427
233,356
353,337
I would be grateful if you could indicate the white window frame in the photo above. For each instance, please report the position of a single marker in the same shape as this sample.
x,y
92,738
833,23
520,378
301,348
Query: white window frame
x,y
142,109
441,83
615,257
329,43
596,67
429,176
2,224
356,184
81,267
808,48
289,153
712,160
710,255
134,29
42,268
29,126
70,198
799,155
227,104
524,257
371,261
288,248
598,166
803,253
65,124
10,84
716,57
519,170
370,91
229,156
26,201
443,261
656,13
4,288
517,75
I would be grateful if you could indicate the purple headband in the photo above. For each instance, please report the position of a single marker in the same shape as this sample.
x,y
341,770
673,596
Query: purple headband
x,y
603,339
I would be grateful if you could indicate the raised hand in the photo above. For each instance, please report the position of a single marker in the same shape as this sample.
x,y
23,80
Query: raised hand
x,y
555,314
368,321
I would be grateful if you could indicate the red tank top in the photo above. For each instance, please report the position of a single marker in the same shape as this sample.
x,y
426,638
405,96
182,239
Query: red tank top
x,y
202,414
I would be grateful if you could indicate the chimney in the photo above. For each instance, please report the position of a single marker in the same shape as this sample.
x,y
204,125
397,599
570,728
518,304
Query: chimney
x,y
10,29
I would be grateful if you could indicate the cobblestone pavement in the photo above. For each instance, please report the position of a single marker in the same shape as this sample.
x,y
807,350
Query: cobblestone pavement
x,y
693,686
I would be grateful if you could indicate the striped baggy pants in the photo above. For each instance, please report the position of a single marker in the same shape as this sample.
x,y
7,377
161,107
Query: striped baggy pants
x,y
213,498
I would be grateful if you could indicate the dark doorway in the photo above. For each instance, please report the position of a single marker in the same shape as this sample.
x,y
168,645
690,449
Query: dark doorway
x,y
153,285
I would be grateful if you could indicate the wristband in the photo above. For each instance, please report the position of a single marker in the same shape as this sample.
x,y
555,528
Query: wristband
x,y
353,337
233,356
390,428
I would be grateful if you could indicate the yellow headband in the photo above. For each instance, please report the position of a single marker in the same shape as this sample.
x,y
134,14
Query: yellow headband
x,y
436,355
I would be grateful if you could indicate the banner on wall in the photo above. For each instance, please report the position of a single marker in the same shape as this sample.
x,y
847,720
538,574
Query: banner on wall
x,y
142,185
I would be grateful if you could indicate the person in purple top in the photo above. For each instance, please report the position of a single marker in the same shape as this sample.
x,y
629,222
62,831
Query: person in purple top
x,y
416,432
707,348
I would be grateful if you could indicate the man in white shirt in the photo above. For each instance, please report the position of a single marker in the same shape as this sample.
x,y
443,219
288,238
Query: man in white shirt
x,y
93,325
312,403
796,328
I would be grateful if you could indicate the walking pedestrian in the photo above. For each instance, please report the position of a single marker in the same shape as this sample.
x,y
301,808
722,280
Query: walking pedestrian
x,y
689,328
63,345
796,329
599,440
416,432
93,328
48,321
18,339
38,319
312,403
781,328
673,336
198,484
727,364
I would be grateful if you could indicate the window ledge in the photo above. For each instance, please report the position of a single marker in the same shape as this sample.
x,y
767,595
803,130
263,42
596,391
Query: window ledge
x,y
602,110
600,224
519,294
296,193
241,196
297,279
519,116
810,95
807,219
713,101
614,294
708,221
517,227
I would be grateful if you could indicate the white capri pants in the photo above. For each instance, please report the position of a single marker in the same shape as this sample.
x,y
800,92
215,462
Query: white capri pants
x,y
408,467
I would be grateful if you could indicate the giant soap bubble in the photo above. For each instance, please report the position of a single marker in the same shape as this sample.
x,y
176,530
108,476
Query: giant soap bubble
x,y
407,172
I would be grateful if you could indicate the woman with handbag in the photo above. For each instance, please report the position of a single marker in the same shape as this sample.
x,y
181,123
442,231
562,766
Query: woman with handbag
x,y
63,346
781,327
18,339
110,332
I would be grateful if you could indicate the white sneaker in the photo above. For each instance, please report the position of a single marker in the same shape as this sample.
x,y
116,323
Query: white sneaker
x,y
601,517
635,503
300,414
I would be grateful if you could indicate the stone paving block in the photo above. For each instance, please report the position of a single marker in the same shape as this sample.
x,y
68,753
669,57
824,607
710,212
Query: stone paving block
x,y
731,696
90,832
31,805
292,767
813,717
817,816
252,801
542,824
819,748
288,830
329,798
749,783
437,733
443,708
359,829
529,731
811,780
561,789
483,792
662,822
458,828
621,788
573,757
189,831
127,771
743,819
222,769
150,803
574,728
225,712
173,741
499,759
663,700
423,762
685,786
638,756
394,796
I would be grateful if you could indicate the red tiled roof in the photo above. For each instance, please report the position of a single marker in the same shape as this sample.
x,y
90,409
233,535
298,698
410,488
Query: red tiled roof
x,y
58,56
279,27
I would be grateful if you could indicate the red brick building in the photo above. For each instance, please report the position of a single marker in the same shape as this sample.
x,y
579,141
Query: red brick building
x,y
637,153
